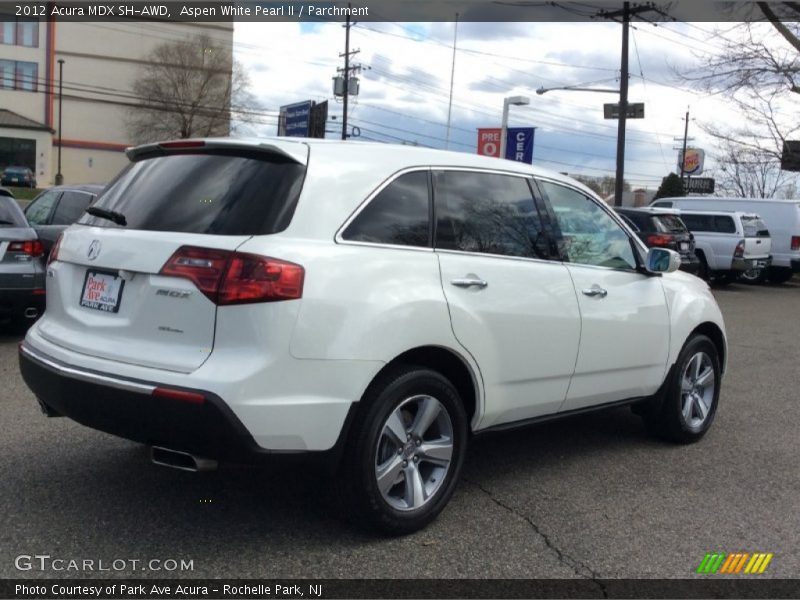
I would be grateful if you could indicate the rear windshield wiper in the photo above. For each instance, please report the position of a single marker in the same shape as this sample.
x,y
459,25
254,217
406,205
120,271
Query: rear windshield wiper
x,y
4,222
110,215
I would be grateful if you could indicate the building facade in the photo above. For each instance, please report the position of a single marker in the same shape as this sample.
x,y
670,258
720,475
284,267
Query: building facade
x,y
101,61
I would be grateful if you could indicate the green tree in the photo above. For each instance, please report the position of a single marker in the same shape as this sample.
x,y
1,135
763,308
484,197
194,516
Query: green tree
x,y
670,186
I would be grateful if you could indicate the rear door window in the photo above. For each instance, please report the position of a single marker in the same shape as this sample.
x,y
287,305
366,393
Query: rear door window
x,y
670,224
221,194
71,207
724,224
698,222
38,212
398,215
487,213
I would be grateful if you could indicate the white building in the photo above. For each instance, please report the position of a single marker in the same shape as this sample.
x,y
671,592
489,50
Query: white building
x,y
101,62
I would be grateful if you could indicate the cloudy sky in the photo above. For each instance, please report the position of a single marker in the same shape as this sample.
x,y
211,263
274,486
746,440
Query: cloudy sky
x,y
406,81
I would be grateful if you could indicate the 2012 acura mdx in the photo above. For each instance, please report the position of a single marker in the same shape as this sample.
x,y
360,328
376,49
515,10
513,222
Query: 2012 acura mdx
x,y
375,305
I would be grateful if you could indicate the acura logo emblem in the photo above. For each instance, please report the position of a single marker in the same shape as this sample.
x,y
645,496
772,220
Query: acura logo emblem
x,y
94,250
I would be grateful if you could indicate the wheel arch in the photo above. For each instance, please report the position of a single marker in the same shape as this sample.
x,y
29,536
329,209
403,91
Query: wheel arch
x,y
712,331
451,365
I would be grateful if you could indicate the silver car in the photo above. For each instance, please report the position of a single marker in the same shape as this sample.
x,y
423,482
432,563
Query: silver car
x,y
22,266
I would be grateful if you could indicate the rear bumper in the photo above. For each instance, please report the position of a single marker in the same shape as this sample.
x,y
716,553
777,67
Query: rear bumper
x,y
690,263
745,264
20,304
128,408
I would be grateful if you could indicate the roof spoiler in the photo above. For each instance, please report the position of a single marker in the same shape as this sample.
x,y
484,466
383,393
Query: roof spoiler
x,y
287,151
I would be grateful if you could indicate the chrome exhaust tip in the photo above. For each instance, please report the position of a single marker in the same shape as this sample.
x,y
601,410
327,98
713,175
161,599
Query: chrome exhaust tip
x,y
183,461
31,312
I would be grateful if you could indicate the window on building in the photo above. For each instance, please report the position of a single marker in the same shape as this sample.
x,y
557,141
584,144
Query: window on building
x,y
398,215
16,31
27,75
7,68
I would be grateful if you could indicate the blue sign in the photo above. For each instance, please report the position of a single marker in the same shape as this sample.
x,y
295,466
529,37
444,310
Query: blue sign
x,y
297,118
519,144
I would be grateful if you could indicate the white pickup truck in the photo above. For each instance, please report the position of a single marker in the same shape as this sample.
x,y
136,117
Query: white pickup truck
x,y
729,245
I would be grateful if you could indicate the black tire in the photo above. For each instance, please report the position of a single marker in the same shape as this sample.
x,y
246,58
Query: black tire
x,y
723,279
369,444
779,274
753,276
668,420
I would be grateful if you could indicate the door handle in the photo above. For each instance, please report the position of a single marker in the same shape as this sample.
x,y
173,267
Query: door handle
x,y
466,282
595,292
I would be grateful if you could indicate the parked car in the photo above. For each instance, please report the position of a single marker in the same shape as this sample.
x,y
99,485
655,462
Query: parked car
x,y
663,228
782,218
246,299
52,211
18,176
729,244
21,267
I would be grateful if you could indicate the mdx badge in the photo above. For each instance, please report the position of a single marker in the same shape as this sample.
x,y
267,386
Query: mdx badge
x,y
94,250
173,293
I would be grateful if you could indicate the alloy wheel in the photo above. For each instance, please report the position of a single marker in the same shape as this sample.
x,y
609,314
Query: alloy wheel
x,y
698,383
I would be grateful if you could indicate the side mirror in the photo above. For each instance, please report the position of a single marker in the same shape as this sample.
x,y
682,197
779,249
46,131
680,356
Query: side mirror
x,y
661,260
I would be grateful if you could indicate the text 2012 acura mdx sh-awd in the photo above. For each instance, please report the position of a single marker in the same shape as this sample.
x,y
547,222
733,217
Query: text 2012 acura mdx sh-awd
x,y
375,305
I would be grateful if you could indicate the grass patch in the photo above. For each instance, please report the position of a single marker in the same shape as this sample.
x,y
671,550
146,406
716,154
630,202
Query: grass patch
x,y
24,193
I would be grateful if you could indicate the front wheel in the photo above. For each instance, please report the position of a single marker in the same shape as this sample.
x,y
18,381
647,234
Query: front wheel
x,y
692,394
406,454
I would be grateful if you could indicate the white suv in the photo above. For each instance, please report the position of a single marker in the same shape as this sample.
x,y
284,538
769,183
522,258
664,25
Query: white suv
x,y
375,305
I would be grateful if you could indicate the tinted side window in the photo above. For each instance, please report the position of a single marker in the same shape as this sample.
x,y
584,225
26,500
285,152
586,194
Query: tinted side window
x,y
724,224
39,210
71,207
591,235
697,222
399,214
483,212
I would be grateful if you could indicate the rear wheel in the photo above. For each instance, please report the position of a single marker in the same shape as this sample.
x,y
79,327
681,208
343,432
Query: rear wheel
x,y
691,396
702,269
753,276
405,456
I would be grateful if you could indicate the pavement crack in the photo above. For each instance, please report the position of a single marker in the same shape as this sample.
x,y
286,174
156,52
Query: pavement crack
x,y
581,569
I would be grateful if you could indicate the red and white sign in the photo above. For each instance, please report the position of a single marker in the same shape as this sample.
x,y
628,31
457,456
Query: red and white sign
x,y
489,142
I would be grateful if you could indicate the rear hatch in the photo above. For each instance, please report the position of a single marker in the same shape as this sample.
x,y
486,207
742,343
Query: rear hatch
x,y
757,239
20,251
141,283
672,234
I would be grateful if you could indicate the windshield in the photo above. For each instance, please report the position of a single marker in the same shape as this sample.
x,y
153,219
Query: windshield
x,y
754,227
10,213
204,193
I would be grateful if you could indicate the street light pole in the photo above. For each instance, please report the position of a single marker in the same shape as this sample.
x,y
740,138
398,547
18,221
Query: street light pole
x,y
516,101
59,176
623,107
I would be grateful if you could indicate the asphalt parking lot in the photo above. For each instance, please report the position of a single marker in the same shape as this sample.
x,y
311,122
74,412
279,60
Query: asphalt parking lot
x,y
592,496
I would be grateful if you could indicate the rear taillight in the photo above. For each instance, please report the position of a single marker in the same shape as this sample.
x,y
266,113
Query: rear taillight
x,y
54,251
203,266
31,247
236,278
659,239
179,395
796,242
739,252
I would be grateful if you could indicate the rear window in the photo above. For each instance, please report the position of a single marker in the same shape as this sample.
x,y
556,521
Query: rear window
x,y
670,224
754,227
10,213
204,193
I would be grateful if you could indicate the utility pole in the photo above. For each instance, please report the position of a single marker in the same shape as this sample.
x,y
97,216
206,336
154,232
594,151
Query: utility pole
x,y
59,177
452,79
685,139
346,73
625,15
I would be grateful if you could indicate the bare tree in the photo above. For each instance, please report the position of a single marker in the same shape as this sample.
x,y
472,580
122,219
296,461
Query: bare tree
x,y
759,73
191,88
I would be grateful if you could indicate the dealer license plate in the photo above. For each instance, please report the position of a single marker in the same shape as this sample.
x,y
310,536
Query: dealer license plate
x,y
102,291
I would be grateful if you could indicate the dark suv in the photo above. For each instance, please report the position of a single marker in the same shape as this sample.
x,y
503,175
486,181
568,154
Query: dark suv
x,y
52,211
663,229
